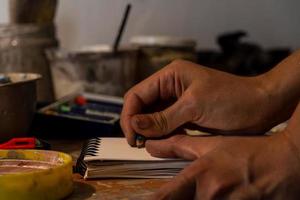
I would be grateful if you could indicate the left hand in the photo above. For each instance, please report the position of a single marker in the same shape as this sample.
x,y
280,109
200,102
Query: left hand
x,y
186,93
261,167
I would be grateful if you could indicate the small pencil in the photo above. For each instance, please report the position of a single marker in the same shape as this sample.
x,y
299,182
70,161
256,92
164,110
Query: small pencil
x,y
140,141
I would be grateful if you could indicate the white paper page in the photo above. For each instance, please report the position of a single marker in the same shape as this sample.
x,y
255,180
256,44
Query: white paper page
x,y
119,149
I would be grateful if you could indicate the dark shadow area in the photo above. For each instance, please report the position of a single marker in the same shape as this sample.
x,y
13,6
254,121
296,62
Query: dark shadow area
x,y
81,191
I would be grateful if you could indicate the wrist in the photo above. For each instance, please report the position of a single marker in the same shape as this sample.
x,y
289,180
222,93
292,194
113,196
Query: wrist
x,y
282,83
269,101
280,95
292,131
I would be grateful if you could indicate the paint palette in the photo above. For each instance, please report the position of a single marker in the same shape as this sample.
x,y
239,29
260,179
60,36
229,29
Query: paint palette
x,y
81,116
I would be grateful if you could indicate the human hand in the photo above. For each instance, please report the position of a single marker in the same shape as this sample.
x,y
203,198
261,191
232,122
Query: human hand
x,y
230,167
189,93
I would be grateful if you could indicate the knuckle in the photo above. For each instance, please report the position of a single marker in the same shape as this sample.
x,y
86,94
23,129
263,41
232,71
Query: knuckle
x,y
128,94
177,63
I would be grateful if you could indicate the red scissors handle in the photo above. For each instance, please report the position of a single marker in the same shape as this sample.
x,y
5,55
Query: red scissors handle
x,y
19,143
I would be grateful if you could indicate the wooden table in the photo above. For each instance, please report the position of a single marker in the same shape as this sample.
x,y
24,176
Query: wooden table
x,y
114,188
128,189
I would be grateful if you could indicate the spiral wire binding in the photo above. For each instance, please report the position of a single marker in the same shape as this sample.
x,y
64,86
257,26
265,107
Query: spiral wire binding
x,y
89,148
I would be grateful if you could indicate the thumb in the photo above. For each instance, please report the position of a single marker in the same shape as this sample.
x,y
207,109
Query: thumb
x,y
177,146
183,146
164,122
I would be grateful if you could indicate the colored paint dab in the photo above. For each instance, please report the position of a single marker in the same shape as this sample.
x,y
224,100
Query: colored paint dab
x,y
65,109
80,100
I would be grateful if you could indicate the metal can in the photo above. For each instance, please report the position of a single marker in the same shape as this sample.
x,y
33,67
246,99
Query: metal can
x,y
94,69
22,49
155,52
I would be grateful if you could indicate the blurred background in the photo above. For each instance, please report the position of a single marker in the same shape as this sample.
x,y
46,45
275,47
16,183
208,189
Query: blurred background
x,y
271,23
86,49
240,37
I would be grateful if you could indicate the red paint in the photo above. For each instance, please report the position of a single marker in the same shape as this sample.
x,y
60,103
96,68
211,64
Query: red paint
x,y
80,100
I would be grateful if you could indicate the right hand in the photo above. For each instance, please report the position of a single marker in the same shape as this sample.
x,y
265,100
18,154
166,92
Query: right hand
x,y
204,97
233,167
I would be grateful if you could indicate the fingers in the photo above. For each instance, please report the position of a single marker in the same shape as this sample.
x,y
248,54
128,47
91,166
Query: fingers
x,y
182,186
164,122
135,100
214,176
173,147
132,105
159,86
182,146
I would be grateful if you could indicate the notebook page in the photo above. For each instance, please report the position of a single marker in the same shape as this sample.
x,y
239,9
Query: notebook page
x,y
118,149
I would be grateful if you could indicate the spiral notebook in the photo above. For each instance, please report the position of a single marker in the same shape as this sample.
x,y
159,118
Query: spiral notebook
x,y
114,158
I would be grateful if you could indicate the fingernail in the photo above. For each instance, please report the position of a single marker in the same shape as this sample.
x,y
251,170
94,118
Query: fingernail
x,y
143,122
